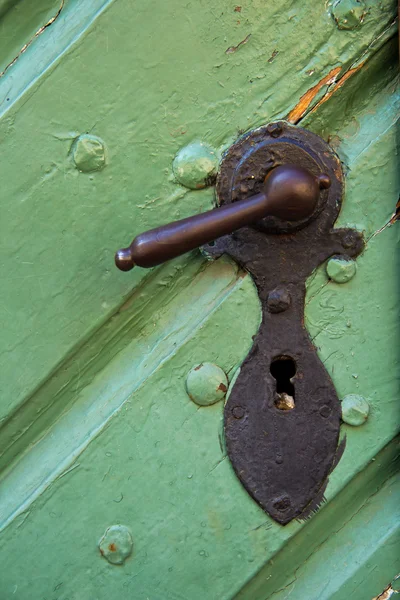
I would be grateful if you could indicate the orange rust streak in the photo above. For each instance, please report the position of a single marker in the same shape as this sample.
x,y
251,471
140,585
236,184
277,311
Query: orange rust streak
x,y
337,85
305,101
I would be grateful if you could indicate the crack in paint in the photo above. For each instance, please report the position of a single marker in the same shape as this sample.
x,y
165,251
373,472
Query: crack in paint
x,y
393,219
232,49
38,32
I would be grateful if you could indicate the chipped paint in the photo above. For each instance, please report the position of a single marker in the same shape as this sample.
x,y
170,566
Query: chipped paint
x,y
232,49
337,85
300,109
386,594
329,80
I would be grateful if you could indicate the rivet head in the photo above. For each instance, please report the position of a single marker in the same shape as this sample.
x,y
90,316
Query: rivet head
x,y
238,412
278,300
324,181
88,152
349,14
355,410
352,239
325,411
195,165
206,384
341,269
116,544
275,129
282,503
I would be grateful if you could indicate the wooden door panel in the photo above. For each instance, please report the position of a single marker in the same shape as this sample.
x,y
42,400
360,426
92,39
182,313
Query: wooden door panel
x,y
145,104
97,426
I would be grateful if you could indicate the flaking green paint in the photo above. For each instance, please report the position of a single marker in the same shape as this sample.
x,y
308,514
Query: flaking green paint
x,y
97,425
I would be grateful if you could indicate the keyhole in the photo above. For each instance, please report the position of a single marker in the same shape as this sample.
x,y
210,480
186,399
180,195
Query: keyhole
x,y
283,369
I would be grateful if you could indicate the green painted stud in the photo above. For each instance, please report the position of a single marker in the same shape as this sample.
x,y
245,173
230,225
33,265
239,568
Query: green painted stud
x,y
355,410
88,152
195,165
341,269
116,544
206,384
349,14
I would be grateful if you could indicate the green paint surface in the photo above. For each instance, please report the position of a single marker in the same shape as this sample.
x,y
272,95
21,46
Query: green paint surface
x,y
97,427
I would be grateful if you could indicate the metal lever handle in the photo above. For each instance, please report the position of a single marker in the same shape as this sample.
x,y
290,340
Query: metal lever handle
x,y
290,193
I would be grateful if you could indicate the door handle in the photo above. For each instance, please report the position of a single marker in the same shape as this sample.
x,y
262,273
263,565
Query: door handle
x,y
290,193
279,191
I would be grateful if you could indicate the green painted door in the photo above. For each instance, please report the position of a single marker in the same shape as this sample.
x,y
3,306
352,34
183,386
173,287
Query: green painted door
x,y
113,482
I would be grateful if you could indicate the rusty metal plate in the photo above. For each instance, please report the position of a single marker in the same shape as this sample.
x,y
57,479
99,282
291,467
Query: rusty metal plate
x,y
282,417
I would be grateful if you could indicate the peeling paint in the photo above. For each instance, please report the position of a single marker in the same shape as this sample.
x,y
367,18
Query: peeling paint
x,y
387,592
338,84
300,109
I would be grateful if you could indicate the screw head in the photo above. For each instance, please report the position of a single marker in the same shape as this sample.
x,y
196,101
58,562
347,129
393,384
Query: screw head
x,y
355,410
88,152
341,269
278,300
206,384
282,503
195,166
351,239
116,544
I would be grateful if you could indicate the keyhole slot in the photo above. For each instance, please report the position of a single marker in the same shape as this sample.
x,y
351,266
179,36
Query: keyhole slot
x,y
283,369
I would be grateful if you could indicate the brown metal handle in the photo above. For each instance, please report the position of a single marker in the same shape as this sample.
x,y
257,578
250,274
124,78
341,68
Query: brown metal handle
x,y
290,193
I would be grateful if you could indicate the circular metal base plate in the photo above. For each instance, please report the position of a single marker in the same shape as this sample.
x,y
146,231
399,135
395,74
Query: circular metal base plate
x,y
247,162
